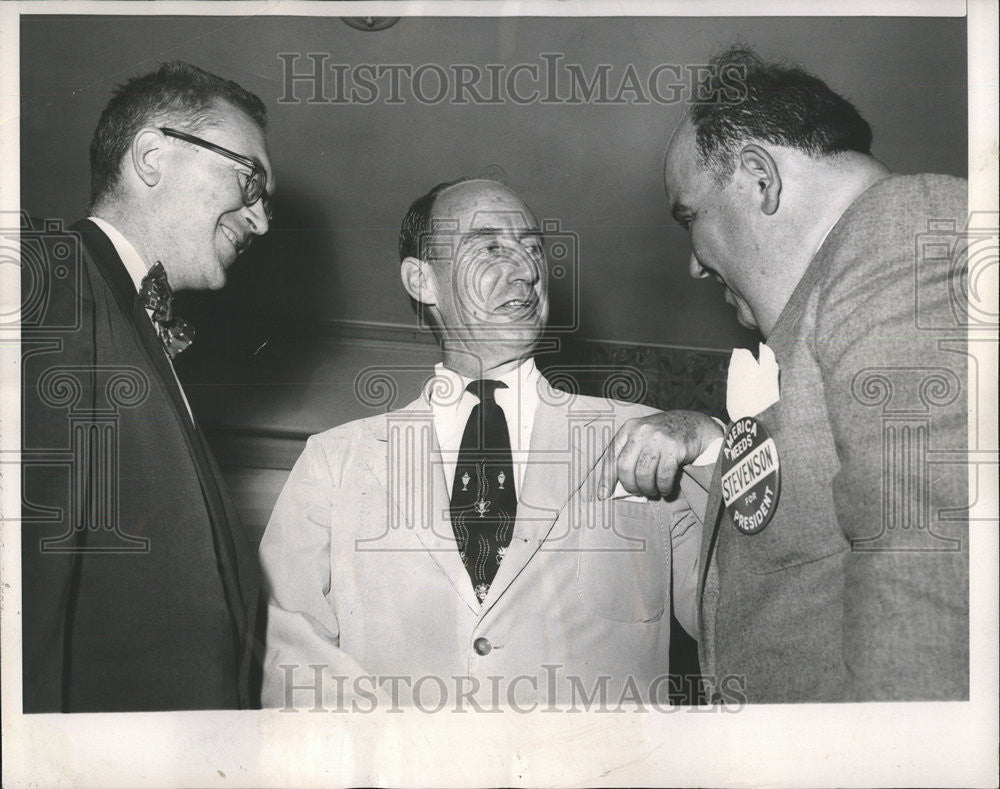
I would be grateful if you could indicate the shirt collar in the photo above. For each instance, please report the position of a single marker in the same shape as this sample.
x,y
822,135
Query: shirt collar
x,y
446,388
129,255
452,405
136,268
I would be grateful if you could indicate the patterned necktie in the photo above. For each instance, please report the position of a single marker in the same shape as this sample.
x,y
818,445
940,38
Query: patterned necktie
x,y
176,334
483,497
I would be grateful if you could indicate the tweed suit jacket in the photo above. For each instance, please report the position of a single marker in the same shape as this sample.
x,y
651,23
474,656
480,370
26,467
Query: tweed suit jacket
x,y
365,578
858,587
139,585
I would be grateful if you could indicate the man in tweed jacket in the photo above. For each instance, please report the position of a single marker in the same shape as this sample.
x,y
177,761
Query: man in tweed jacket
x,y
857,588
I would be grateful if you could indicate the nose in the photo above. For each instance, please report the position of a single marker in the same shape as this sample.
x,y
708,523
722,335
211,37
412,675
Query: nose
x,y
695,269
256,218
526,266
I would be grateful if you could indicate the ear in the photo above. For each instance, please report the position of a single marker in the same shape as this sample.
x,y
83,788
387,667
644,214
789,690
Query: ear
x,y
147,159
760,167
418,280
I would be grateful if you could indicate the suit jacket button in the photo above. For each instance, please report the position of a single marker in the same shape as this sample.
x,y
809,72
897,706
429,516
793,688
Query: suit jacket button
x,y
482,646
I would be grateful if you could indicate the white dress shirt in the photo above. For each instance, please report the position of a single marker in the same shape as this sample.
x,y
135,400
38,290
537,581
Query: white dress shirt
x,y
452,406
136,268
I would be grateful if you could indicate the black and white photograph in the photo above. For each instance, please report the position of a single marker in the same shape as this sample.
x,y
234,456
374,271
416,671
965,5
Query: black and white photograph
x,y
489,393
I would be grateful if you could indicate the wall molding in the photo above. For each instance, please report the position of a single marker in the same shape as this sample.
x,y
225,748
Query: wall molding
x,y
664,377
399,332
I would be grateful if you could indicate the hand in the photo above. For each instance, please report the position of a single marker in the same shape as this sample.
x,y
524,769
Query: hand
x,y
646,454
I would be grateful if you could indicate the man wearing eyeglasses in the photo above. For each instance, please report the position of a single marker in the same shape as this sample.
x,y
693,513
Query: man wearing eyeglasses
x,y
139,584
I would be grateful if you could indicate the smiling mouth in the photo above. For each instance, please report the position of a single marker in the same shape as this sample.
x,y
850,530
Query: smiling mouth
x,y
517,306
233,239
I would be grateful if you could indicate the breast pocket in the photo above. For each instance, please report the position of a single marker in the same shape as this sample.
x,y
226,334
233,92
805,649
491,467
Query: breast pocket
x,y
623,573
804,527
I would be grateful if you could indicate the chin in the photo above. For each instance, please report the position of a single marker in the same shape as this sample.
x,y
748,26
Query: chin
x,y
511,342
214,280
217,276
221,277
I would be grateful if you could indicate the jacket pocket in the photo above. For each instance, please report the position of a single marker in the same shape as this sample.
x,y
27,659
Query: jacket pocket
x,y
623,573
803,527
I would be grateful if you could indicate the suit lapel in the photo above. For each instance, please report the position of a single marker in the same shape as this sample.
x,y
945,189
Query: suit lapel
x,y
556,468
105,257
708,580
414,479
713,519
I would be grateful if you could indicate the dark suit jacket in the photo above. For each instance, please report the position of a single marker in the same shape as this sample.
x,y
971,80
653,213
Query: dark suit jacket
x,y
139,582
858,587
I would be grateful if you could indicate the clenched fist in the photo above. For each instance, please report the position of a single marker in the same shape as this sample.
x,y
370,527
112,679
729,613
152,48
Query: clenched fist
x,y
646,454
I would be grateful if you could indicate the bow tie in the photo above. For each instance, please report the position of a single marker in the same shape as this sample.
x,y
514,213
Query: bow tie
x,y
176,334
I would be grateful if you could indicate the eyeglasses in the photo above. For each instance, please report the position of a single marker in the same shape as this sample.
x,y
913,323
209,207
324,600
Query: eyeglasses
x,y
254,187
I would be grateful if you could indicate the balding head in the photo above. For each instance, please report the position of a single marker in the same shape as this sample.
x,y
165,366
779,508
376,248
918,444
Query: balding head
x,y
480,274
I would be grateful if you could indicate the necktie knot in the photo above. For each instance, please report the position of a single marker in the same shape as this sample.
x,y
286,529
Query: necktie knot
x,y
156,295
484,389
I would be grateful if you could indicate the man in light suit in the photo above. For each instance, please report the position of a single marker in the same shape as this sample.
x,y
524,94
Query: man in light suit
x,y
390,584
854,585
139,585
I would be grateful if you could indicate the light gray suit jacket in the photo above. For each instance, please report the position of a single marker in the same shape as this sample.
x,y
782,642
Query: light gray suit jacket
x,y
858,588
365,577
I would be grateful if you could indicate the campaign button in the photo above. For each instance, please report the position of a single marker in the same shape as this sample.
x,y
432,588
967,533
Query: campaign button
x,y
751,475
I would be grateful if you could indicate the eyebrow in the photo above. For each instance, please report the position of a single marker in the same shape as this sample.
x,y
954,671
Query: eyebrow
x,y
679,210
487,232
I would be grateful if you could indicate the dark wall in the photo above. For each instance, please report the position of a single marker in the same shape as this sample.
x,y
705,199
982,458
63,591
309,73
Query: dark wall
x,y
346,172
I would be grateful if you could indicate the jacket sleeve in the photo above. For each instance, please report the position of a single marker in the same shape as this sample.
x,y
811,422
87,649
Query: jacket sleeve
x,y
896,397
304,665
685,548
53,520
